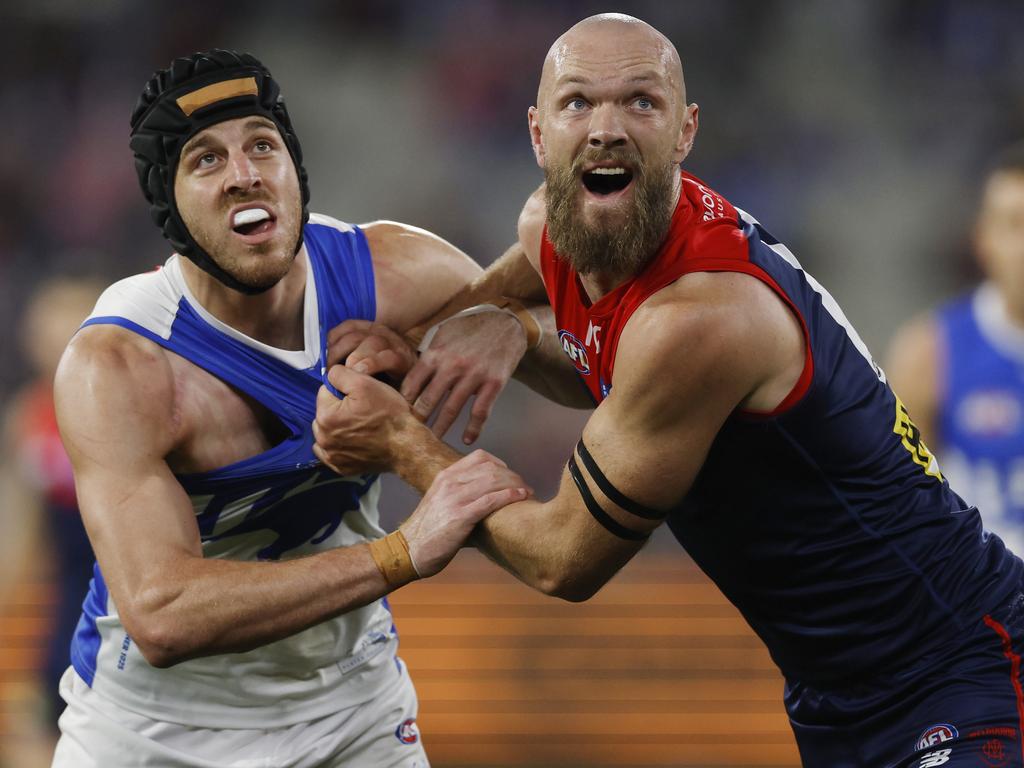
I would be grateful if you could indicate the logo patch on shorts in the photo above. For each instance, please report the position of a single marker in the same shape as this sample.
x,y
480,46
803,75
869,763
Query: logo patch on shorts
x,y
994,753
407,732
936,735
935,759
575,351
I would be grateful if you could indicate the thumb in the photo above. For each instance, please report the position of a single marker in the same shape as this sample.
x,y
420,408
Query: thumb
x,y
344,379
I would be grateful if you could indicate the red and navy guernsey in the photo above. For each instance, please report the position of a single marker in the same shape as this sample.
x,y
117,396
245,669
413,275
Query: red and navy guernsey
x,y
827,522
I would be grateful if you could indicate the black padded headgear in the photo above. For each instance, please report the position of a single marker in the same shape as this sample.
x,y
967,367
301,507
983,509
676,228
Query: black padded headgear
x,y
190,95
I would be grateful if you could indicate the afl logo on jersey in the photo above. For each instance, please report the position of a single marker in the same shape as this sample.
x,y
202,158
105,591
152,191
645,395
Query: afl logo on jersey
x,y
407,732
576,352
936,735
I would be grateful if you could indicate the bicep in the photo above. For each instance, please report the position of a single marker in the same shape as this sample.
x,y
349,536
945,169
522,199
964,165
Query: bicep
x,y
415,273
139,519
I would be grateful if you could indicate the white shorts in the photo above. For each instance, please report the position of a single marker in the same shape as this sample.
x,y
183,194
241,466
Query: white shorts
x,y
382,733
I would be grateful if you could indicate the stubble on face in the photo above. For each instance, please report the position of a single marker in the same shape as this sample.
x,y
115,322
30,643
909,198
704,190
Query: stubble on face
x,y
205,202
606,244
260,266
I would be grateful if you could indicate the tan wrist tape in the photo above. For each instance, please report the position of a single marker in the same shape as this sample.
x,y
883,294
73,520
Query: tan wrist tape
x,y
529,322
391,554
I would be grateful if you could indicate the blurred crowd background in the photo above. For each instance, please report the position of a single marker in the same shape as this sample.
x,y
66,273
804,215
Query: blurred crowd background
x,y
857,131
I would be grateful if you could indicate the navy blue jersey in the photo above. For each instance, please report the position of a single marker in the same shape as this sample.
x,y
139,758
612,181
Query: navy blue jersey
x,y
827,522
981,409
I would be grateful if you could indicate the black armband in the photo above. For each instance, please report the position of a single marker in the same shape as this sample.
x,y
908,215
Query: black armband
x,y
609,490
606,520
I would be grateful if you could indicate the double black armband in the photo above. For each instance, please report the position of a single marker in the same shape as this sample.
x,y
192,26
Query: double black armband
x,y
613,493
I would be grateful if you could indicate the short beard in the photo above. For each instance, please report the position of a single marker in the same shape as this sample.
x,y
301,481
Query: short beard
x,y
259,276
608,247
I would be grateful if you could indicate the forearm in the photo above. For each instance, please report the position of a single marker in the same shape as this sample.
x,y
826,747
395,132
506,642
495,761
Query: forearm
x,y
548,550
546,369
202,607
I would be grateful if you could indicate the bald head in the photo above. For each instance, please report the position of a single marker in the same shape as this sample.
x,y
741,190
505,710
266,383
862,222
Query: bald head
x,y
613,38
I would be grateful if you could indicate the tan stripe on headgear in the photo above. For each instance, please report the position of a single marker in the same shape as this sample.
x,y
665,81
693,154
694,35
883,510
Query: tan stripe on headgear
x,y
226,89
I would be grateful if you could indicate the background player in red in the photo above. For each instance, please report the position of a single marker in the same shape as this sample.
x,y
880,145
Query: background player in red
x,y
735,401
41,533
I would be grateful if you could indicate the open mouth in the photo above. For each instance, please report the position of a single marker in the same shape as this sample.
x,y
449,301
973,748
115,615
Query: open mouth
x,y
252,221
607,181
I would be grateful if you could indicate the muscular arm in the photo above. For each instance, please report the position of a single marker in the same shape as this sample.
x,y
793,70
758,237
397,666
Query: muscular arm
x,y
686,360
421,280
119,418
516,274
913,368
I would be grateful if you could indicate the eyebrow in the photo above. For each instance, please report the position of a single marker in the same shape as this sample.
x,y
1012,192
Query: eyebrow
x,y
203,141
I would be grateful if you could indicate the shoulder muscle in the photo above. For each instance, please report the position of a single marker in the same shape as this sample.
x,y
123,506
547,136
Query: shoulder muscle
x,y
415,271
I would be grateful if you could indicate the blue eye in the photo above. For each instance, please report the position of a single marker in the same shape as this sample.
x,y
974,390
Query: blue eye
x,y
644,103
576,104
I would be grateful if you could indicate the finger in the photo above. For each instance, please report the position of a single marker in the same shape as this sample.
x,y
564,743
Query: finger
x,y
416,379
344,346
453,406
321,454
481,411
325,401
368,346
470,460
349,326
385,361
491,502
434,393
345,379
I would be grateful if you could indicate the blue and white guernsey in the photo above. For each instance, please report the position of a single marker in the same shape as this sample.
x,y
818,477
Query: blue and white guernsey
x,y
981,409
279,504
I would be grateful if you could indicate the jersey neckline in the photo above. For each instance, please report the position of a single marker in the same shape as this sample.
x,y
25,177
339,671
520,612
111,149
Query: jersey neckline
x,y
300,359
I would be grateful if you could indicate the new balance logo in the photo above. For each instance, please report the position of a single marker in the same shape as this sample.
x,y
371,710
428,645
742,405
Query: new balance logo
x,y
935,759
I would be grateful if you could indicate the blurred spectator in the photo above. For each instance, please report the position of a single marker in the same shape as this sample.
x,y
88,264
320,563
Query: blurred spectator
x,y
960,369
39,519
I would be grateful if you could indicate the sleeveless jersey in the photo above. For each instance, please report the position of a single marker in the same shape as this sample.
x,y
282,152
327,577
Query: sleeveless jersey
x,y
826,522
279,504
981,409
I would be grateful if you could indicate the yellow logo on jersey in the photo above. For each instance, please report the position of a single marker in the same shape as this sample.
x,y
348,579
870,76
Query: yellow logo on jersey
x,y
912,441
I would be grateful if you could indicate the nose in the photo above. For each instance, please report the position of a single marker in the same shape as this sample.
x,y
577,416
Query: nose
x,y
607,128
242,174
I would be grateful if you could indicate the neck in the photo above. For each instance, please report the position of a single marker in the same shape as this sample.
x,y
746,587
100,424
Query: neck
x,y
274,317
599,284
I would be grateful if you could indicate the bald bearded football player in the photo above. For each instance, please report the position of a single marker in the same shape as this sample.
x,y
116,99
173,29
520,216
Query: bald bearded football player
x,y
736,403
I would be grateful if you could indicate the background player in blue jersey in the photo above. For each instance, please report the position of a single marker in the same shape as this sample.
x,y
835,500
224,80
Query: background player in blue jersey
x,y
235,616
960,369
735,402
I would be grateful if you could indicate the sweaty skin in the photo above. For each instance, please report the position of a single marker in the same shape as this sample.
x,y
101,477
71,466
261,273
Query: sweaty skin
x,y
132,414
688,357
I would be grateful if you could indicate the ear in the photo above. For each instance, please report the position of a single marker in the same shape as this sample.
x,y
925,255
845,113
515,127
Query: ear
x,y
687,133
535,136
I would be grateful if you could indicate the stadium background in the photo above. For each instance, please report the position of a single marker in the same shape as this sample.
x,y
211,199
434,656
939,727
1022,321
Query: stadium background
x,y
855,130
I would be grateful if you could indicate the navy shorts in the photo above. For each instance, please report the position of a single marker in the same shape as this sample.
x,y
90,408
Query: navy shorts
x,y
964,709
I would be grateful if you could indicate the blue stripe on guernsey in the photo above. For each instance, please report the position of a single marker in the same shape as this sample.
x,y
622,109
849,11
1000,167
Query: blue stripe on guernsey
x,y
357,287
85,643
283,498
